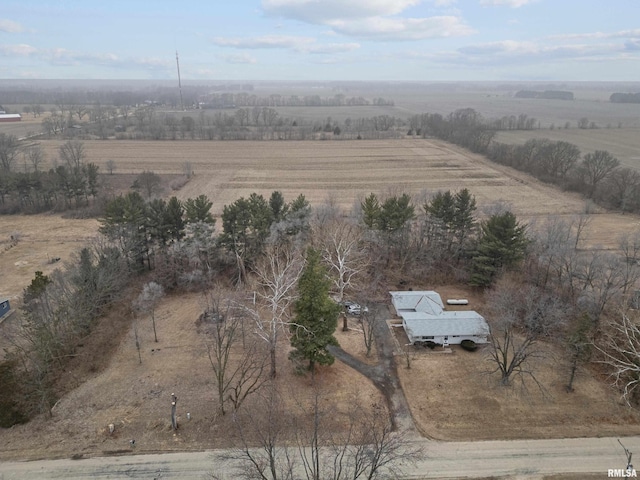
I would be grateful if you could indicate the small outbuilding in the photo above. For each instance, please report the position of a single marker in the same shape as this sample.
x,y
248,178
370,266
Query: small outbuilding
x,y
425,320
5,307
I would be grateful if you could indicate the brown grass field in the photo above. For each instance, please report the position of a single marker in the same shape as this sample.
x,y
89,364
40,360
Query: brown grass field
x,y
135,397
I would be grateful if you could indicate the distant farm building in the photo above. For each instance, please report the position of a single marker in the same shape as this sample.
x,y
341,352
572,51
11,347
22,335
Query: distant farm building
x,y
425,320
10,117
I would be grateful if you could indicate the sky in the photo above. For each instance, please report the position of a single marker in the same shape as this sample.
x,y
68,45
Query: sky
x,y
322,40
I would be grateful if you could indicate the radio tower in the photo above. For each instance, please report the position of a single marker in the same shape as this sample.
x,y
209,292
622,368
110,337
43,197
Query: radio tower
x,y
179,83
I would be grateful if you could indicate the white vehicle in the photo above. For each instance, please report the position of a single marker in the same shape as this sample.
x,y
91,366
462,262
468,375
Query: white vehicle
x,y
355,309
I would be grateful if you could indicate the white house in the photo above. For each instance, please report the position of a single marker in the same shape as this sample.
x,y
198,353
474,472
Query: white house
x,y
425,320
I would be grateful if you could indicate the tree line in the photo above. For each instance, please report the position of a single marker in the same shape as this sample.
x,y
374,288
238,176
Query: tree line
x,y
243,99
25,187
597,175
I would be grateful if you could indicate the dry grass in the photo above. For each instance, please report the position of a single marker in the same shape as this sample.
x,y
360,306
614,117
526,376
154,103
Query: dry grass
x,y
42,239
136,397
454,396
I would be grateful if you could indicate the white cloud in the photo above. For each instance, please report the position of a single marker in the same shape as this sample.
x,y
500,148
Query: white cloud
x,y
330,48
19,50
267,41
404,28
370,19
509,52
502,47
9,26
323,11
64,57
598,35
298,44
241,58
506,3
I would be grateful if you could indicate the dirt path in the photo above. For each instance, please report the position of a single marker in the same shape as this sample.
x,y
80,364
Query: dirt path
x,y
384,375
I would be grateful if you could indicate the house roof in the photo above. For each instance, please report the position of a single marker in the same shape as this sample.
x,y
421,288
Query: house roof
x,y
10,115
426,301
448,323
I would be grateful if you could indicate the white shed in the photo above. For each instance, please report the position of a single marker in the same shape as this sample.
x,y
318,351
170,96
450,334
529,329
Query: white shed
x,y
424,320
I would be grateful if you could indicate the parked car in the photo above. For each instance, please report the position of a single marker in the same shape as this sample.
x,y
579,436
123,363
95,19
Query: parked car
x,y
356,309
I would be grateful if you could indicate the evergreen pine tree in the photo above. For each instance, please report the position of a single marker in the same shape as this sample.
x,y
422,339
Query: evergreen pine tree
x,y
316,315
501,246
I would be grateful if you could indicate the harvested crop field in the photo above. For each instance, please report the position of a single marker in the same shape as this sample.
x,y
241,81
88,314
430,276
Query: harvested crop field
x,y
342,171
345,171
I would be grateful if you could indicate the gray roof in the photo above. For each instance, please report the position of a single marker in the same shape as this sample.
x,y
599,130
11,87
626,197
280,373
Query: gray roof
x,y
426,301
448,323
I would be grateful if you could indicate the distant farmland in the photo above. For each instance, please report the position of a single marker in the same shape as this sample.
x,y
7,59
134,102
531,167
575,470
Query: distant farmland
x,y
623,143
345,171
340,171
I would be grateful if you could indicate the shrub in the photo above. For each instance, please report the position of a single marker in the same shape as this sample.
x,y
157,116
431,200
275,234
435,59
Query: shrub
x,y
10,410
469,345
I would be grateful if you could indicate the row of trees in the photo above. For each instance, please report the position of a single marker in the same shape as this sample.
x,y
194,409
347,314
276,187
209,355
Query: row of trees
x,y
229,100
597,175
71,183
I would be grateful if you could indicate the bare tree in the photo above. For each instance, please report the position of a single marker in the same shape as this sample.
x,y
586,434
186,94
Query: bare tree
x,y
9,149
343,252
267,424
34,154
80,110
376,450
620,349
367,321
629,245
72,154
149,182
366,446
579,347
236,362
278,273
137,338
148,300
111,166
521,316
597,167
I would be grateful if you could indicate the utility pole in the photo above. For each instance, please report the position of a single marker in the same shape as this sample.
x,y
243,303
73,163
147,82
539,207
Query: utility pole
x,y
179,82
